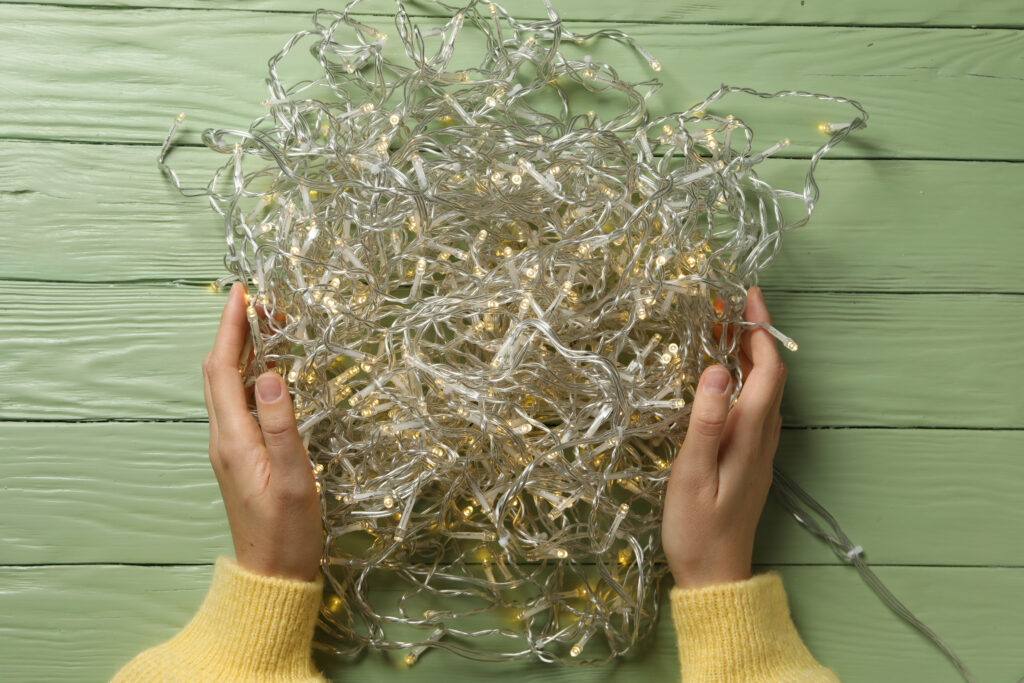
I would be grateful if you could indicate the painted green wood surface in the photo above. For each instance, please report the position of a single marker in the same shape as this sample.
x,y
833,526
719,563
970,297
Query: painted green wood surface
x,y
123,75
871,216
903,410
145,493
1003,13
134,350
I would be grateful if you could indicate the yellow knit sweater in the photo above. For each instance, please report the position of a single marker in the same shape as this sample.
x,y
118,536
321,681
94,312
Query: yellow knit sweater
x,y
259,628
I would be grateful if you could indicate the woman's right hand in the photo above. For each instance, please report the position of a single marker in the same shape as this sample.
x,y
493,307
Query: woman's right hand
x,y
721,476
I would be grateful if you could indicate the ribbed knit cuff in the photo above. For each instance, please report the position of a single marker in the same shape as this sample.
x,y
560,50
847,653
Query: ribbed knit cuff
x,y
254,626
741,631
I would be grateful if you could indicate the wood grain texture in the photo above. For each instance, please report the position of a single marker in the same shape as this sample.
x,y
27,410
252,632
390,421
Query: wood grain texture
x,y
109,75
85,622
105,213
109,492
145,493
1003,13
134,351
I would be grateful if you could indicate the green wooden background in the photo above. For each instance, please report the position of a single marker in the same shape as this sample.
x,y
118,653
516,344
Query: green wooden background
x,y
903,414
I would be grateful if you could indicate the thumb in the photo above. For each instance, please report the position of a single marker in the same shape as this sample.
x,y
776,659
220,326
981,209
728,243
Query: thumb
x,y
280,432
707,419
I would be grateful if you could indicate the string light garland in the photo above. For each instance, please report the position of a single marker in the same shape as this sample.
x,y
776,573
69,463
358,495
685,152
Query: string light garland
x,y
492,318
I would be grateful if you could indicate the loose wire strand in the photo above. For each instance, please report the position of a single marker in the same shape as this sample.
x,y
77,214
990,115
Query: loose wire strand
x,y
804,509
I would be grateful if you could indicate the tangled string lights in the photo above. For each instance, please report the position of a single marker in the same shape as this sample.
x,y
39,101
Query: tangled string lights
x,y
492,318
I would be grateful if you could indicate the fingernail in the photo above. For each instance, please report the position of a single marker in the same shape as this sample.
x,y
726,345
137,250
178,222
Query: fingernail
x,y
715,380
268,387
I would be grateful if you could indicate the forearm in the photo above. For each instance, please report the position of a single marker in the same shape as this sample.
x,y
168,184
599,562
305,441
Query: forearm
x,y
249,628
741,632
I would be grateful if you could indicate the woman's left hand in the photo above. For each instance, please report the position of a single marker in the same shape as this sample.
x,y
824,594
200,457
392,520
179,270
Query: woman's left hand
x,y
721,477
262,468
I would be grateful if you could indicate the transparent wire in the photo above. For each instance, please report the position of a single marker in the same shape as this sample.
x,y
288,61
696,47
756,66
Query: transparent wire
x,y
492,316
804,509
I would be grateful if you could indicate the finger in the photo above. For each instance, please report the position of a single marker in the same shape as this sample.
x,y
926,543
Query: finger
x,y
756,312
233,332
764,349
752,313
289,462
699,452
761,342
745,364
211,412
234,423
762,393
758,404
762,390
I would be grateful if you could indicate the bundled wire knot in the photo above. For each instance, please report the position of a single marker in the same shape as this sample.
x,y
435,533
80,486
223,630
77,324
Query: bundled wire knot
x,y
492,317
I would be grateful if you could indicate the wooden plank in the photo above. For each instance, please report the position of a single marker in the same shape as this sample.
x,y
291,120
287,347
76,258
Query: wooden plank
x,y
145,493
914,496
109,492
104,213
106,75
134,351
85,622
1005,13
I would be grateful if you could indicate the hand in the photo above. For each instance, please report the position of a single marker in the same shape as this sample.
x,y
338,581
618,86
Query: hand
x,y
263,470
721,476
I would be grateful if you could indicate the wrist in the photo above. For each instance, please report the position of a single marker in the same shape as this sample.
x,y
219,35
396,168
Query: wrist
x,y
295,562
279,570
700,577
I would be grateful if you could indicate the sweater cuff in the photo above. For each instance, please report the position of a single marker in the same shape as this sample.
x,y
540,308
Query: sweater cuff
x,y
253,626
741,631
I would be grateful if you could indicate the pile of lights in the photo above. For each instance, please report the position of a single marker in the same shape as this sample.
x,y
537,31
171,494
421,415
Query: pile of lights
x,y
492,317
